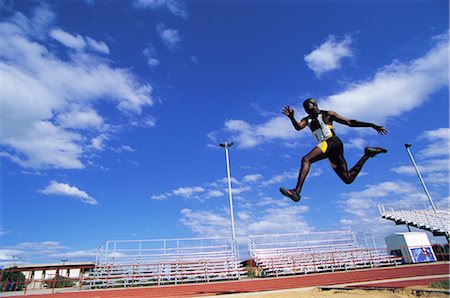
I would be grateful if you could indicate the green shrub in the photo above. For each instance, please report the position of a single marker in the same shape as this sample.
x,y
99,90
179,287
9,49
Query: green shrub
x,y
443,284
59,282
12,280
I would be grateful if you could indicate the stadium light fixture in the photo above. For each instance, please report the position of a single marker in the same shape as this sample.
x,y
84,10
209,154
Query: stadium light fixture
x,y
407,146
227,145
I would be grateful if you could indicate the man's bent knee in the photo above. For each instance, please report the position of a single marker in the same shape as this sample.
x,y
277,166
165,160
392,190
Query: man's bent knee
x,y
306,159
348,180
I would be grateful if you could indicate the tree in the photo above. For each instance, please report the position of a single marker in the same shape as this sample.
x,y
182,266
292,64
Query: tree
x,y
12,280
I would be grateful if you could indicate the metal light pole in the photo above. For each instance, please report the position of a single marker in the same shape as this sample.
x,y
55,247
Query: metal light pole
x,y
407,146
227,145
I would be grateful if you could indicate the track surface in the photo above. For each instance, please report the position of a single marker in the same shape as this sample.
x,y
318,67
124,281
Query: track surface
x,y
427,272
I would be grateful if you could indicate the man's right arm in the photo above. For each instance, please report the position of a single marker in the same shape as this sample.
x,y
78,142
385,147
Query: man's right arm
x,y
298,125
289,112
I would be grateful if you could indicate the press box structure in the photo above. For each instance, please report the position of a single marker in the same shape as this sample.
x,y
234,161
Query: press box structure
x,y
414,247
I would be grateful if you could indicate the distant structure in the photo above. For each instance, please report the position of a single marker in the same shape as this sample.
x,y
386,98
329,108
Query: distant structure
x,y
38,276
418,216
427,218
165,261
414,247
304,253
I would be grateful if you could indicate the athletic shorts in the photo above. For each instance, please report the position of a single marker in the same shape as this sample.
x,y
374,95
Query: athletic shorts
x,y
333,150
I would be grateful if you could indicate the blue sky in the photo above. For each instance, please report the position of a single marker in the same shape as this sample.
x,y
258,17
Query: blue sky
x,y
112,112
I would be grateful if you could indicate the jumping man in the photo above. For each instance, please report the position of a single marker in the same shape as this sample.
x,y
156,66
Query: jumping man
x,y
329,145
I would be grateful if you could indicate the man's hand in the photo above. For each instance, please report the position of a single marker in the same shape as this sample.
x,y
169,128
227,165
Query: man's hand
x,y
288,111
380,129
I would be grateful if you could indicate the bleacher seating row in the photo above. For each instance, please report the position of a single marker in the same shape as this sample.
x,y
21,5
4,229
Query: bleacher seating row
x,y
436,222
176,261
133,263
337,250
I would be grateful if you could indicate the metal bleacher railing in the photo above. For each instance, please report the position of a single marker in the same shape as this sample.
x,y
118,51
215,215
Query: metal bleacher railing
x,y
284,254
420,216
166,261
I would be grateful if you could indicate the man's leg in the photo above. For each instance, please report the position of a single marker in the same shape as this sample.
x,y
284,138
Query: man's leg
x,y
340,165
348,176
315,155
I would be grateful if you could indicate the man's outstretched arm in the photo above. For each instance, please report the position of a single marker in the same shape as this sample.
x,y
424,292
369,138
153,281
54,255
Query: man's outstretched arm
x,y
288,111
356,123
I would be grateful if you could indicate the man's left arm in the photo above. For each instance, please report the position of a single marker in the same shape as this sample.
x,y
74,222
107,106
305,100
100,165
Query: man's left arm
x,y
356,123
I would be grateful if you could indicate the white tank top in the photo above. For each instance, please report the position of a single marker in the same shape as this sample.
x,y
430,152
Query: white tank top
x,y
320,130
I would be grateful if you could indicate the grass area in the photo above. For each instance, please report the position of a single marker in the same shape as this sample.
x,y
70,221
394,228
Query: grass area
x,y
444,284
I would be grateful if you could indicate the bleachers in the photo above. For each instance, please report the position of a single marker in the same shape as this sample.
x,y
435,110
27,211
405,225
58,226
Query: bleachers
x,y
286,254
167,261
418,216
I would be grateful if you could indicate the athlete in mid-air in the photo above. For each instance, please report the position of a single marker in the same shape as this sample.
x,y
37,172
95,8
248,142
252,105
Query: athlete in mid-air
x,y
329,145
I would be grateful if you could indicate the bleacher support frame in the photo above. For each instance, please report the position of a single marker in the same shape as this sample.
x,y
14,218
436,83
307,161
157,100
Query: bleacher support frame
x,y
123,263
285,254
418,216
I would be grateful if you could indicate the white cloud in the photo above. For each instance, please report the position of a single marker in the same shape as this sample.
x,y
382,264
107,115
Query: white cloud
x,y
328,56
37,25
77,254
269,201
41,246
98,143
8,255
434,169
394,89
219,187
248,136
169,37
274,221
278,179
160,197
444,203
45,252
204,223
45,145
439,178
210,190
430,166
382,190
188,192
252,178
361,206
46,100
150,55
81,118
357,143
215,193
71,41
125,148
270,221
63,189
175,7
439,143
99,46
78,42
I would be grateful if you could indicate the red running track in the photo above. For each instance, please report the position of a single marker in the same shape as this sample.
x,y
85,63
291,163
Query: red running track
x,y
266,284
426,281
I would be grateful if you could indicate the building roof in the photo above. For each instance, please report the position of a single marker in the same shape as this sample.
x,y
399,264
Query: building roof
x,y
25,267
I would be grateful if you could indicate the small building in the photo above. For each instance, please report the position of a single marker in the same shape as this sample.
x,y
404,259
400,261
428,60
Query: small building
x,y
36,275
413,247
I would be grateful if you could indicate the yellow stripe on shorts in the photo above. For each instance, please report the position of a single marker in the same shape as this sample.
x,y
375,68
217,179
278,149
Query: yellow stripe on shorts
x,y
323,146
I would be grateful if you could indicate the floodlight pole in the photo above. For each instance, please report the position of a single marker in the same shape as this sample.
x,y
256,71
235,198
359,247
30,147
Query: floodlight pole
x,y
407,146
227,145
